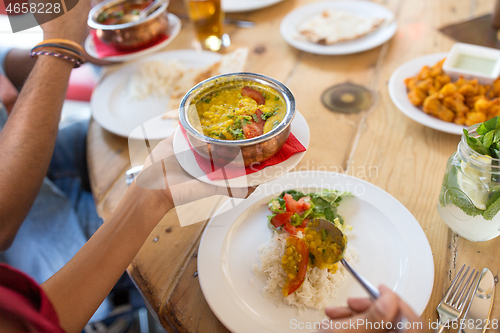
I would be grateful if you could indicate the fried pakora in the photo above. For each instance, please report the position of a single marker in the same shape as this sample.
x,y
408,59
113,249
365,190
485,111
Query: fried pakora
x,y
464,102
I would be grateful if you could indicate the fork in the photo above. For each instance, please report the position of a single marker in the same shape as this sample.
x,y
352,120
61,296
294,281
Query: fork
x,y
457,296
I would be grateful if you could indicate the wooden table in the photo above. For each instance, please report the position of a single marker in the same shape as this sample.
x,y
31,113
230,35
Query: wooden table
x,y
409,158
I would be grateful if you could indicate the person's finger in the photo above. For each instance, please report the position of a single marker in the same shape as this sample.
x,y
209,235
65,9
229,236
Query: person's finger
x,y
359,304
339,313
414,323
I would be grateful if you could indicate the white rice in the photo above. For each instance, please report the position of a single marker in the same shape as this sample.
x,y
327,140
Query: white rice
x,y
319,285
155,78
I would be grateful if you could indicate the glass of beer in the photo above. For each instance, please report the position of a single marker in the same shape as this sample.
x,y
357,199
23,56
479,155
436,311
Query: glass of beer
x,y
208,19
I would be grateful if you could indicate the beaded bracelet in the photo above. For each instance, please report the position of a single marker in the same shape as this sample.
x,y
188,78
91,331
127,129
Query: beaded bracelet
x,y
77,63
56,46
71,54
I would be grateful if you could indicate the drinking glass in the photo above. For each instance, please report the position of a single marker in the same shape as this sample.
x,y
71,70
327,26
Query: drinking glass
x,y
208,19
469,201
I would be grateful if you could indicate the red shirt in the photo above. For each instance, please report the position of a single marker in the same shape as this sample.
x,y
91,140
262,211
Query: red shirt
x,y
22,298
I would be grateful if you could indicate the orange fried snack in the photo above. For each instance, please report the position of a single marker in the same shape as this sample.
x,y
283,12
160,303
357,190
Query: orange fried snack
x,y
464,102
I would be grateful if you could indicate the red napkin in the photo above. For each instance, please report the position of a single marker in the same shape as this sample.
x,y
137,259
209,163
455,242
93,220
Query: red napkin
x,y
291,147
105,50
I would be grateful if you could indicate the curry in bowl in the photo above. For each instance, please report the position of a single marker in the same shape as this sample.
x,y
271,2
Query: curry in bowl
x,y
240,112
237,118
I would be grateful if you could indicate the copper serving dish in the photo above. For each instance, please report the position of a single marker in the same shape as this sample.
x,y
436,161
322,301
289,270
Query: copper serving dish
x,y
130,35
227,152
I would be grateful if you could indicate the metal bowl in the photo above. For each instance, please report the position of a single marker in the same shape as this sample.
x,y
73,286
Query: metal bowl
x,y
226,152
131,35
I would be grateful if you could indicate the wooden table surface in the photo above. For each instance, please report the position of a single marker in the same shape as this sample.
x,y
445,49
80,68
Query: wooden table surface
x,y
409,158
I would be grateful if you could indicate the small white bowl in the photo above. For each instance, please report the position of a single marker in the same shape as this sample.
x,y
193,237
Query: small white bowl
x,y
475,54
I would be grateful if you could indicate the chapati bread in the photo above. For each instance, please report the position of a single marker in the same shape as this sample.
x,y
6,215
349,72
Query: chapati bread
x,y
333,26
155,78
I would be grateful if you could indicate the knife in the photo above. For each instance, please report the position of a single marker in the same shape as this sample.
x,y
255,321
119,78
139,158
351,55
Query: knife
x,y
478,313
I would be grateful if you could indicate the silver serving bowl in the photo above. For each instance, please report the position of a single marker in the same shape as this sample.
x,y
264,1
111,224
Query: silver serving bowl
x,y
224,152
130,35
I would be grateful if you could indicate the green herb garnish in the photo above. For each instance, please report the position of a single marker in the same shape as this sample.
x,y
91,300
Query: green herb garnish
x,y
488,142
313,259
323,234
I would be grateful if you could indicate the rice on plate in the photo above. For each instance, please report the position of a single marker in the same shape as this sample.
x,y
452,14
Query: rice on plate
x,y
301,264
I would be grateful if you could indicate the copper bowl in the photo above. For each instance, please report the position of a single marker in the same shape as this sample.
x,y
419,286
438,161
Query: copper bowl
x,y
131,35
226,152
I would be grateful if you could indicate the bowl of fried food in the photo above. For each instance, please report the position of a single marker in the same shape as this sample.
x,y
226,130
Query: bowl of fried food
x,y
237,118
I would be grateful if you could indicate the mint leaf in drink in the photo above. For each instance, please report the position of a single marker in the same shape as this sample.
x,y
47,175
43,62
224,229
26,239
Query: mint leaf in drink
x,y
491,124
492,207
481,129
475,144
496,138
488,139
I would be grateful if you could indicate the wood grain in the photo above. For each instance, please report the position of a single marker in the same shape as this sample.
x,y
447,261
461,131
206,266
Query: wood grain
x,y
381,146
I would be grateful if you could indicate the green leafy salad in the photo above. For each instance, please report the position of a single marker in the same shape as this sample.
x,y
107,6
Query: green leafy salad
x,y
292,210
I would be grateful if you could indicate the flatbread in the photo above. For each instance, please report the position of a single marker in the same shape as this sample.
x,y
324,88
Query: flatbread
x,y
333,26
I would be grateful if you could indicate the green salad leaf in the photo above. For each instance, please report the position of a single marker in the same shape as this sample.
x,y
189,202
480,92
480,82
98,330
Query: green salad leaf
x,y
323,205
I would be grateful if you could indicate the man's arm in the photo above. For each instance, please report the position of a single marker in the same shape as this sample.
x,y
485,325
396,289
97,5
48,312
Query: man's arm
x,y
27,142
28,137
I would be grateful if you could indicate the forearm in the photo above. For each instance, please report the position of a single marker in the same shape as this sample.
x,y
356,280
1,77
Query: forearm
x,y
18,65
27,141
78,289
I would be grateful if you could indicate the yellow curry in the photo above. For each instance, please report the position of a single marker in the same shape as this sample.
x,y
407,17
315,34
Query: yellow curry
x,y
238,113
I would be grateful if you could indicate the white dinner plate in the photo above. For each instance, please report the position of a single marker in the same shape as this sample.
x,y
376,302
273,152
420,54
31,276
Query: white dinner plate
x,y
174,26
392,248
399,94
237,6
114,109
186,159
291,22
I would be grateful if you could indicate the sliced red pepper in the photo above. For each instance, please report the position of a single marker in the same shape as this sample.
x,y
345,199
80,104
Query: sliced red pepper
x,y
254,128
253,94
304,223
298,207
300,275
280,219
289,227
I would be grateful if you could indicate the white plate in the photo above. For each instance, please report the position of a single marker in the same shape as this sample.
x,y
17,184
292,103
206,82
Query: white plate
x,y
392,248
381,35
186,159
174,26
237,6
399,94
114,109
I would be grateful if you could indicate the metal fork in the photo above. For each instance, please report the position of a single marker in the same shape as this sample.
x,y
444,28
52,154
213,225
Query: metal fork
x,y
456,298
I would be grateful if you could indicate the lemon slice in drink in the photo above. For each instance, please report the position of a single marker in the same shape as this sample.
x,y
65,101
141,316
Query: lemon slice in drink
x,y
475,183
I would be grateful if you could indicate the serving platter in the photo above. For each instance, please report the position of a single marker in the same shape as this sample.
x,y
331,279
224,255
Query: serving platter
x,y
116,111
186,159
239,6
174,27
291,22
392,248
399,94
